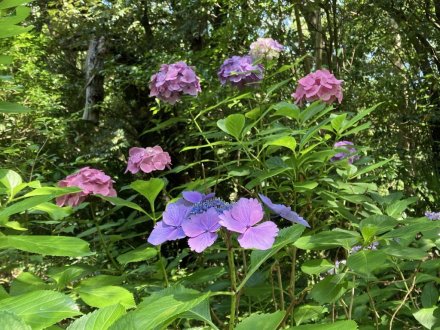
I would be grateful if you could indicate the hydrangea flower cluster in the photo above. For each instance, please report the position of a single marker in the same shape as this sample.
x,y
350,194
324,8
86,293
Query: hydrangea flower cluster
x,y
147,160
200,217
265,48
240,71
90,181
432,215
173,80
318,85
341,155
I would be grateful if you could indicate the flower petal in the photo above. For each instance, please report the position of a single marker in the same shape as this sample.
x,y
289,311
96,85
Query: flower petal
x,y
162,233
260,237
202,241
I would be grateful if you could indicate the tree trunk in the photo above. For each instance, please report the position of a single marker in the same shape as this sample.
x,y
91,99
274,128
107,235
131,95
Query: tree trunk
x,y
94,80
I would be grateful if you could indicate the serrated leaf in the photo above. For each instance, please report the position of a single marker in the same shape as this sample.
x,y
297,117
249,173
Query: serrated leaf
x,y
261,321
139,254
100,319
308,312
12,321
41,309
105,296
47,245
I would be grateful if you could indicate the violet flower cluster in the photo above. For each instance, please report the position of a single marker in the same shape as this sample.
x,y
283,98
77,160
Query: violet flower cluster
x,y
432,215
349,154
200,217
240,71
174,80
147,160
265,48
319,85
90,181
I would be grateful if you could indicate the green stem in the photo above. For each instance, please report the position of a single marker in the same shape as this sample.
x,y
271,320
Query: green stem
x,y
162,266
233,281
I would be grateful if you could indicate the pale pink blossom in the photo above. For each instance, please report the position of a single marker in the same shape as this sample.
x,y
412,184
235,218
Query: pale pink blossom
x,y
147,160
90,181
319,85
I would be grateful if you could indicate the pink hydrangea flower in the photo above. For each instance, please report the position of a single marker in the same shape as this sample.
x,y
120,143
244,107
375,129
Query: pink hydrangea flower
x,y
147,160
174,80
319,85
90,181
265,48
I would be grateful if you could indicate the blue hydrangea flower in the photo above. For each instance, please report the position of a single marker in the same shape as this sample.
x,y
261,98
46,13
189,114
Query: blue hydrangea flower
x,y
284,211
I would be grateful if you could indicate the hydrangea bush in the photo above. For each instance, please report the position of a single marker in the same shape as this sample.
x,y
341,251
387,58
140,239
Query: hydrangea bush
x,y
285,219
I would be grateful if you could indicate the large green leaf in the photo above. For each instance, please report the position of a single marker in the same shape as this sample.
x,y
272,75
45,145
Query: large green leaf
x,y
429,295
122,202
367,261
317,266
233,125
41,309
327,240
329,289
12,3
105,296
149,189
285,141
139,254
27,282
261,321
47,245
100,319
12,321
428,317
308,312
285,237
410,230
160,308
10,179
22,206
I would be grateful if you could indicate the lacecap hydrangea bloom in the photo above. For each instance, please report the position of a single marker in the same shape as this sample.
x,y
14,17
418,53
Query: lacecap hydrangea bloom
x,y
240,71
348,154
147,160
200,217
319,85
174,80
90,181
432,215
265,48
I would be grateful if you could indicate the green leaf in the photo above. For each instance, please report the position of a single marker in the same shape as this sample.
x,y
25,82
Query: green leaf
x,y
285,141
285,237
317,266
47,245
102,280
105,296
55,212
27,282
329,289
308,312
428,317
365,262
66,274
405,252
286,109
232,125
122,202
20,15
12,3
149,189
204,275
201,312
160,308
429,295
10,179
12,321
396,208
40,309
139,254
53,191
370,168
337,121
327,240
312,110
409,231
375,225
9,108
22,206
338,325
261,321
100,319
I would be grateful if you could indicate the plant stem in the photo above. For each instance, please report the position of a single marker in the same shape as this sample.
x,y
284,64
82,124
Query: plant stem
x,y
162,266
233,281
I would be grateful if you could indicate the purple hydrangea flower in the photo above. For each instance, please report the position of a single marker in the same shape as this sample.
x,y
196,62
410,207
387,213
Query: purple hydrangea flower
x,y
202,229
284,211
243,217
193,197
173,80
240,71
432,215
170,228
342,155
265,48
